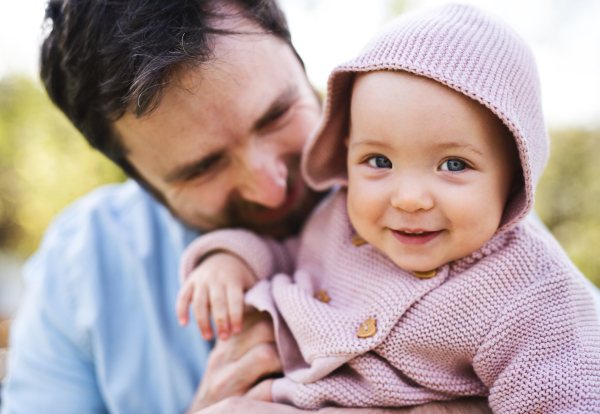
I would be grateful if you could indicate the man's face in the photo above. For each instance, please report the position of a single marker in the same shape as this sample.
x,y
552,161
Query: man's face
x,y
223,147
429,169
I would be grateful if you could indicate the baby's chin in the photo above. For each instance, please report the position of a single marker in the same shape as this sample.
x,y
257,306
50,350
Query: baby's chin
x,y
419,266
425,262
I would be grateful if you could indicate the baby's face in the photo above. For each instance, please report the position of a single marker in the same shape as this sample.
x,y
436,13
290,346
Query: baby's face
x,y
430,170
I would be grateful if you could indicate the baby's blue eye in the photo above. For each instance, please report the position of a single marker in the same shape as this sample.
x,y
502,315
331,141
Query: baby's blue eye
x,y
380,162
453,165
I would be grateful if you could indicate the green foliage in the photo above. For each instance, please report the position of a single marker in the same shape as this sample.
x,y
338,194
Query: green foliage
x,y
44,164
568,197
395,8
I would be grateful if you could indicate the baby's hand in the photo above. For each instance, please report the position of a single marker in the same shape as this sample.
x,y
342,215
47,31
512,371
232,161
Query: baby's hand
x,y
216,286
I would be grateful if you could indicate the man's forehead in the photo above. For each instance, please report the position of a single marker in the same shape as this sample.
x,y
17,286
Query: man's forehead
x,y
247,72
245,69
204,113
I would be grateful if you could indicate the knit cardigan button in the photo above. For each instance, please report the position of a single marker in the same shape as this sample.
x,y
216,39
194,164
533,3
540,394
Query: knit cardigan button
x,y
322,296
358,241
426,275
367,329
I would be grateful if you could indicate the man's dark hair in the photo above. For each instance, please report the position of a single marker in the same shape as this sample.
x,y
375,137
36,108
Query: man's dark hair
x,y
104,57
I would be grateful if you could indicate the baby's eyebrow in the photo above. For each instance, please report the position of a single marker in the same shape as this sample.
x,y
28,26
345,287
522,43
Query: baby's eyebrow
x,y
371,142
462,145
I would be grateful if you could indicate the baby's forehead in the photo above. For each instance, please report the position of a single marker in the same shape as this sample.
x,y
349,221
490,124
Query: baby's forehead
x,y
417,104
413,88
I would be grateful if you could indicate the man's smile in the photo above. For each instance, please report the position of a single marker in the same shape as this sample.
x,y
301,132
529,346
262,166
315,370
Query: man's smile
x,y
296,191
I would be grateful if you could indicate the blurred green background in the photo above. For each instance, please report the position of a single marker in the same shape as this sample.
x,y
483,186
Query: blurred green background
x,y
45,164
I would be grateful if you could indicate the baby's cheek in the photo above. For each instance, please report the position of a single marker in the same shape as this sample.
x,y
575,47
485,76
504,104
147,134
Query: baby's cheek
x,y
365,208
475,225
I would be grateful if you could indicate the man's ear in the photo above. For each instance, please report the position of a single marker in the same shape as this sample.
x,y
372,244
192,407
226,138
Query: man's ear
x,y
346,141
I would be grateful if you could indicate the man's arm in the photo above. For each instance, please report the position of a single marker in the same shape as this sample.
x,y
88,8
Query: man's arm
x,y
236,365
240,405
462,406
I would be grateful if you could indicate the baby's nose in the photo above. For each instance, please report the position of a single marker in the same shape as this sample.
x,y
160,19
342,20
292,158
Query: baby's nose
x,y
411,196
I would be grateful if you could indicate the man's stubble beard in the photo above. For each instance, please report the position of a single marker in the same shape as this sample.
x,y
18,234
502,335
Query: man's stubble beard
x,y
239,212
289,225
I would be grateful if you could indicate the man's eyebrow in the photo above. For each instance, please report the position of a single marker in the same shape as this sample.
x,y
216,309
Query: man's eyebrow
x,y
193,168
282,102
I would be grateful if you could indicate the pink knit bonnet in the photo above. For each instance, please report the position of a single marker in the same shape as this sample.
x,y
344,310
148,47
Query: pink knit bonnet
x,y
464,48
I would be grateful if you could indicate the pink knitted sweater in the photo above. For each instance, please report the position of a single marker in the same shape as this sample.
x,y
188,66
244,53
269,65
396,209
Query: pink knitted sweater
x,y
512,321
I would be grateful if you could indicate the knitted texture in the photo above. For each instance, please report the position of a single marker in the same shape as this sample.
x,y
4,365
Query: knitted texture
x,y
512,321
461,47
264,256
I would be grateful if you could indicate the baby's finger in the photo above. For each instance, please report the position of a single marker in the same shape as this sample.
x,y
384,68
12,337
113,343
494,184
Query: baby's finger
x,y
261,391
200,306
182,303
235,304
218,308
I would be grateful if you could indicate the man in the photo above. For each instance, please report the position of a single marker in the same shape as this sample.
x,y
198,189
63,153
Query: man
x,y
206,105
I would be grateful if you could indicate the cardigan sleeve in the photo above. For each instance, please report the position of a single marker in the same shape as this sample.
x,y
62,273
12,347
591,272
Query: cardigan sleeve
x,y
542,354
265,256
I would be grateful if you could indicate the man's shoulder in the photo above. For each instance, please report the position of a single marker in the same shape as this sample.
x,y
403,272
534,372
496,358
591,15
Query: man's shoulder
x,y
108,231
103,250
117,203
123,210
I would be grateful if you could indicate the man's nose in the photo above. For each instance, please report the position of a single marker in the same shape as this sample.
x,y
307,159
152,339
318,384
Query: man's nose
x,y
263,180
411,195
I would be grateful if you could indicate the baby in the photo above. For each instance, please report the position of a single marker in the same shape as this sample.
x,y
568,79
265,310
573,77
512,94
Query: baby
x,y
417,279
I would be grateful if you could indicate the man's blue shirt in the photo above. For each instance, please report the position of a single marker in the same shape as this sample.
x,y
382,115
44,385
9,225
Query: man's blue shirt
x,y
97,331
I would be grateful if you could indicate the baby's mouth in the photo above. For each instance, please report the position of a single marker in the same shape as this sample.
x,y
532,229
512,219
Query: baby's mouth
x,y
416,236
415,233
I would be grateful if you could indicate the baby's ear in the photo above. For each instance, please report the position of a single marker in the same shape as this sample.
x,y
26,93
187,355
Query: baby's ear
x,y
346,141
